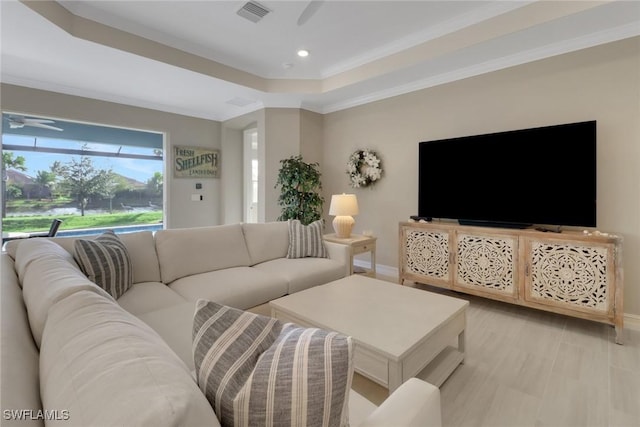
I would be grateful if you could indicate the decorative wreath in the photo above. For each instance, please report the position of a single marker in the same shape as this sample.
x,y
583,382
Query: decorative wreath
x,y
364,168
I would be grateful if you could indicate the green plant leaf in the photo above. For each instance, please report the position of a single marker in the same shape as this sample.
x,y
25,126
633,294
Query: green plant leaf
x,y
299,184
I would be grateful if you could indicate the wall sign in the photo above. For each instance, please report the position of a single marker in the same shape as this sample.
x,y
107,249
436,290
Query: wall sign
x,y
195,162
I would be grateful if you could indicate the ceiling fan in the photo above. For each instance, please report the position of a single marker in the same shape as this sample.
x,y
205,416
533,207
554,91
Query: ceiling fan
x,y
18,122
309,11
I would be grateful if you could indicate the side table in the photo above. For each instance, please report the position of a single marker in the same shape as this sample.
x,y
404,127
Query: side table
x,y
359,244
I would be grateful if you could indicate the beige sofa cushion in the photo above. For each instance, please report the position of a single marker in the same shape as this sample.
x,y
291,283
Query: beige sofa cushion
x,y
30,250
266,241
174,324
142,251
49,276
108,368
149,296
303,273
11,247
184,252
239,287
139,244
141,248
20,388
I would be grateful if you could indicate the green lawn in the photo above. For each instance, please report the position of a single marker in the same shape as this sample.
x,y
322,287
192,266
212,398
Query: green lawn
x,y
72,222
21,205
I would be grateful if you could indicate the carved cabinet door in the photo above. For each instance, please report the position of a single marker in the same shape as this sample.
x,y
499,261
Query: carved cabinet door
x,y
574,275
487,264
425,256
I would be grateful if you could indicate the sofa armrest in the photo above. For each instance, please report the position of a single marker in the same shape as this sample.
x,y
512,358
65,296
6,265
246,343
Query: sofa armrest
x,y
414,403
340,253
20,385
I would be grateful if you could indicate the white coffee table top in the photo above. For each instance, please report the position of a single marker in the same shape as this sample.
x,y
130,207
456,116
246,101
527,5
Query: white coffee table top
x,y
390,318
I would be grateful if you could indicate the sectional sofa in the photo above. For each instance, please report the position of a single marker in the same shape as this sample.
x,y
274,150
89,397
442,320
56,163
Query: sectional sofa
x,y
74,355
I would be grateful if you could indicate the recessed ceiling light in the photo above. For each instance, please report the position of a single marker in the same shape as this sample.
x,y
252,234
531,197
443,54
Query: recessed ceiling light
x,y
303,53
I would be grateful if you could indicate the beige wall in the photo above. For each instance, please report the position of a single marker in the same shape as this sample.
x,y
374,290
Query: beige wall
x,y
232,175
281,140
282,133
178,130
601,83
311,136
288,132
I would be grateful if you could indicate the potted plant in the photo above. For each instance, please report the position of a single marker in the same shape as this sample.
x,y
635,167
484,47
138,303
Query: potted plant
x,y
299,195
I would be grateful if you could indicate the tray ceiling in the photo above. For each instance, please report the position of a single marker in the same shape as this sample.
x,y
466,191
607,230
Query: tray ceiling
x,y
202,59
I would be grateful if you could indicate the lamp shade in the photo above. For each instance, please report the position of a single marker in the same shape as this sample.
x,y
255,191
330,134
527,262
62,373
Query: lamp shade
x,y
343,205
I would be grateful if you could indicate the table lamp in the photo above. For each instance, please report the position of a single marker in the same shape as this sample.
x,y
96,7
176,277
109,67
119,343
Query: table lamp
x,y
342,207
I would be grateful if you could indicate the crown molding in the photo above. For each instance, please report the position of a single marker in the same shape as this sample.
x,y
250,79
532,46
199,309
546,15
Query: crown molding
x,y
567,46
452,25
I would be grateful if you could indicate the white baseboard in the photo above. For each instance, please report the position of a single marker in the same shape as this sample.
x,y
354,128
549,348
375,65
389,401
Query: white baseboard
x,y
631,321
383,270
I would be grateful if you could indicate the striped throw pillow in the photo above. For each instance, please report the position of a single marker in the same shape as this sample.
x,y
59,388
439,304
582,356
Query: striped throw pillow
x,y
105,261
258,371
306,240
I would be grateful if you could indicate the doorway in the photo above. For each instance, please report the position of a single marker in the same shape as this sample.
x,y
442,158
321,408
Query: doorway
x,y
251,168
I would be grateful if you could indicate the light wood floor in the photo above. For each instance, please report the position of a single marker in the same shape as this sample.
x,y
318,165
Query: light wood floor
x,y
526,367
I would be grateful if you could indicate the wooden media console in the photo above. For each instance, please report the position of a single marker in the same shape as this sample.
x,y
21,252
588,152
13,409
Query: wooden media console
x,y
572,273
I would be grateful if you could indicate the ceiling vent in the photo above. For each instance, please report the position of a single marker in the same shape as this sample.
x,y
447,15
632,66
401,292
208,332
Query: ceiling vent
x,y
253,11
240,102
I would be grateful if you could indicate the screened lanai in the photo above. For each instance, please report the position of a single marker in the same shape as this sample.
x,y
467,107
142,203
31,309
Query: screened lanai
x,y
91,176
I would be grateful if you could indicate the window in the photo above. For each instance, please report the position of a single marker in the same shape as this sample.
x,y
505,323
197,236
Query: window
x,y
91,177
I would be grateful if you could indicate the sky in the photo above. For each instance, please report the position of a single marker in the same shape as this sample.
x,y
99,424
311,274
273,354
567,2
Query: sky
x,y
140,170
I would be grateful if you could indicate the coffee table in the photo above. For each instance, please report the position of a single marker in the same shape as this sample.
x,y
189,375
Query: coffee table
x,y
399,332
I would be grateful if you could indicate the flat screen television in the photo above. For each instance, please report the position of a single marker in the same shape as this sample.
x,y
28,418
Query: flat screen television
x,y
537,176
